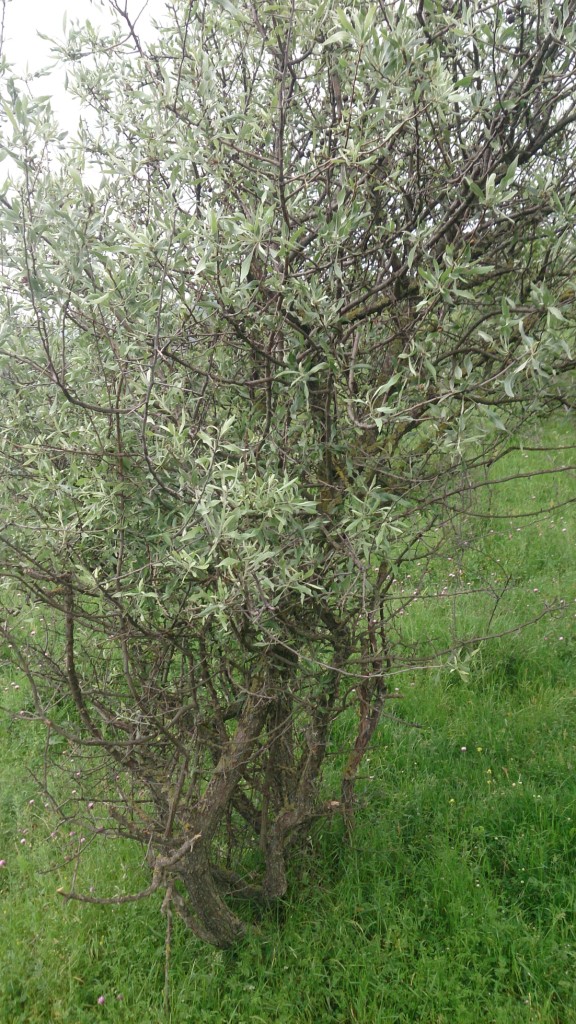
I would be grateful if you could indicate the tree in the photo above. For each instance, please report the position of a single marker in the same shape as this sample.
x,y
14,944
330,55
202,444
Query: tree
x,y
266,322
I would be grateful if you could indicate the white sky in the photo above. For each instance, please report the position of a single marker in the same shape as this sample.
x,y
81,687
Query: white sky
x,y
24,49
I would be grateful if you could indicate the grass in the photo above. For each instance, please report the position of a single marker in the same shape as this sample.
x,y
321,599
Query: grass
x,y
455,902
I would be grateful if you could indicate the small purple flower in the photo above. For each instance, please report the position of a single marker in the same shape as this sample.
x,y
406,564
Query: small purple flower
x,y
101,1000
2,863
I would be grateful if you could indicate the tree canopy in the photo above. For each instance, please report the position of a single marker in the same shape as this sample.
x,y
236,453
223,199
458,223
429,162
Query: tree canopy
x,y
266,320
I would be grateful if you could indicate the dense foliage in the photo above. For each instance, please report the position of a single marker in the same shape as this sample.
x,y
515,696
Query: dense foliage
x,y
265,322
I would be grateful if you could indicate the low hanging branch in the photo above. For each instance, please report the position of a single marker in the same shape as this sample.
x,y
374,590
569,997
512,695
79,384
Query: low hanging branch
x,y
161,869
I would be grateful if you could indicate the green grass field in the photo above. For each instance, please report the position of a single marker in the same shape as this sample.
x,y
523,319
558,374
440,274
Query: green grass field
x,y
454,903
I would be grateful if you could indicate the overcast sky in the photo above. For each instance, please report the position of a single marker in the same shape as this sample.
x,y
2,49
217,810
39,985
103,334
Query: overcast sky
x,y
23,47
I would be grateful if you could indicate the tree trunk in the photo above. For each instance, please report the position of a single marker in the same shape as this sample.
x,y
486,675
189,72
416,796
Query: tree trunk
x,y
209,917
